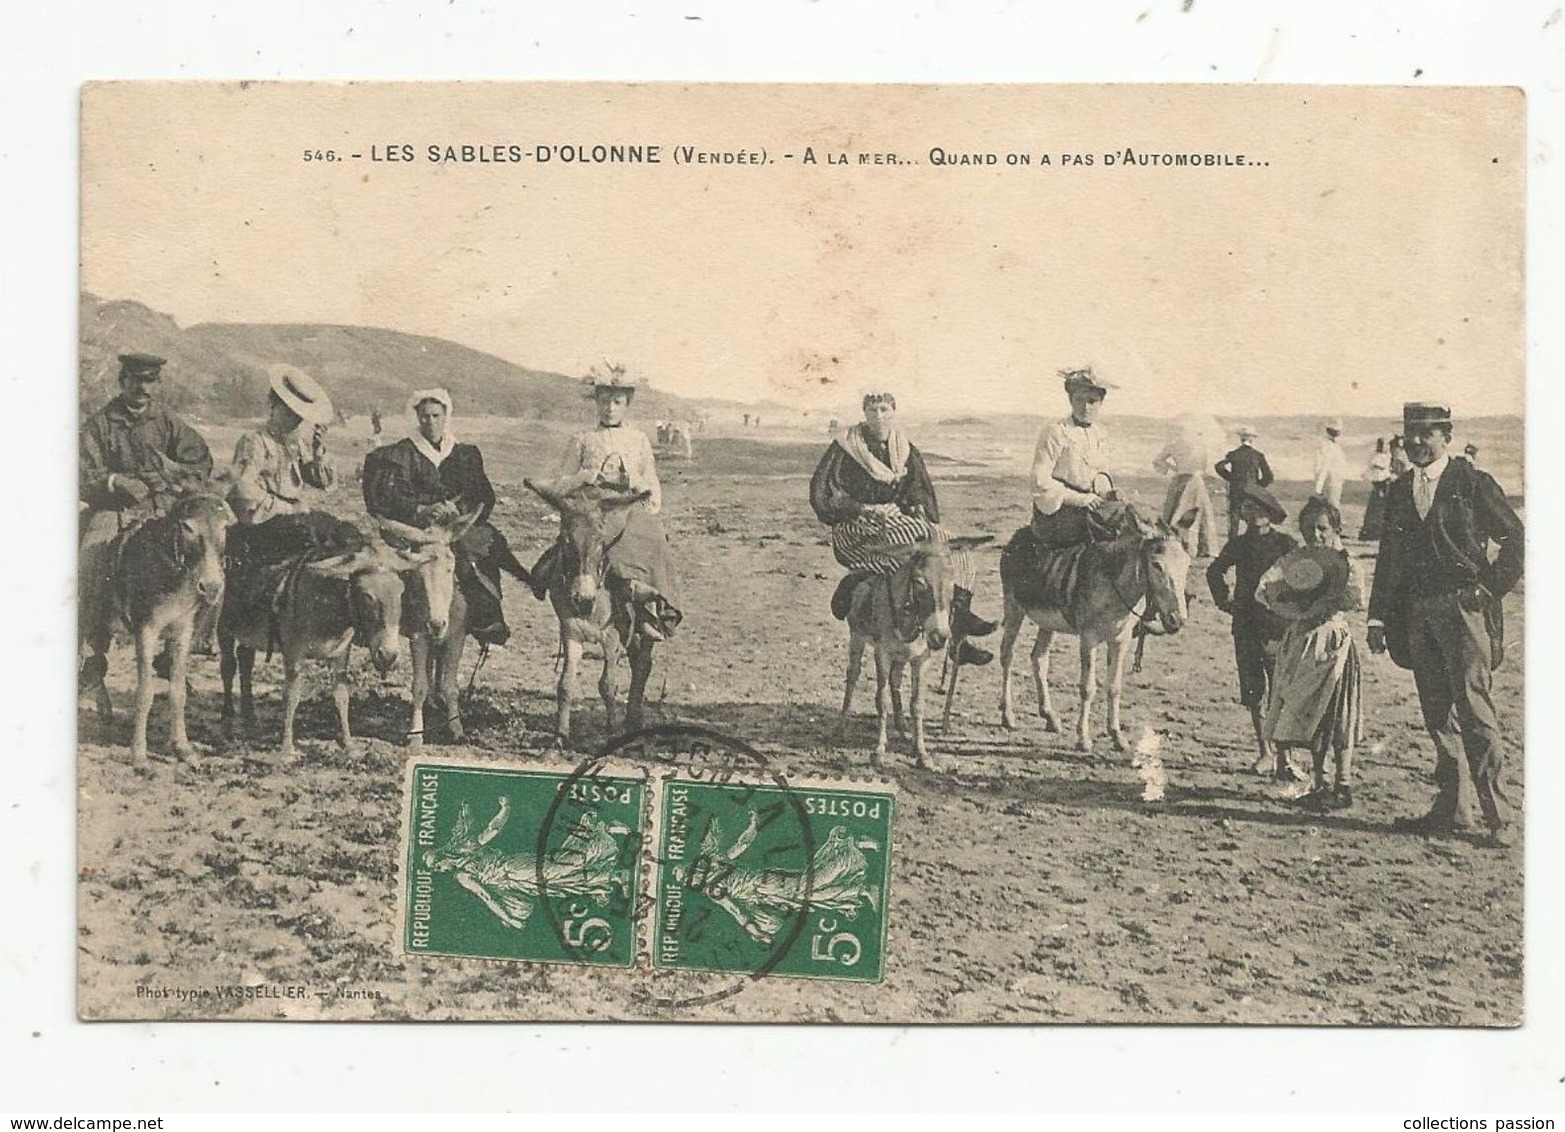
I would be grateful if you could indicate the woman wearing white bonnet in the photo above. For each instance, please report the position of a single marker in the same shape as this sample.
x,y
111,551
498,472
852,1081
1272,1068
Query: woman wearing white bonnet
x,y
428,476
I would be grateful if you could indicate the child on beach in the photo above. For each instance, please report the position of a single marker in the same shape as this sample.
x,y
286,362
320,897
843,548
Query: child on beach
x,y
1255,629
1315,698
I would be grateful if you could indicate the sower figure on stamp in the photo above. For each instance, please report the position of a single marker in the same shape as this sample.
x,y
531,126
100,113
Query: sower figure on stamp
x,y
136,459
1246,464
873,490
618,455
428,478
1435,605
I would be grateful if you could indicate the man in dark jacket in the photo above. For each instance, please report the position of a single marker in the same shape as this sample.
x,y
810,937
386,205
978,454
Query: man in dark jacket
x,y
137,457
1246,464
428,474
1435,605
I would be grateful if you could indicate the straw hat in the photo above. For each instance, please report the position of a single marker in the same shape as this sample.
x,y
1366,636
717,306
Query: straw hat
x,y
1264,499
1084,378
1302,578
301,393
614,381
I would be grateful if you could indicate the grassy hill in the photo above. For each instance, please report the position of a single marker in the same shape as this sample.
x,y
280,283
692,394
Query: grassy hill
x,y
218,370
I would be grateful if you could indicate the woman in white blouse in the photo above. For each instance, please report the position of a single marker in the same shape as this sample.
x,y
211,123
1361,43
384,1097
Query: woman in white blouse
x,y
1072,496
616,454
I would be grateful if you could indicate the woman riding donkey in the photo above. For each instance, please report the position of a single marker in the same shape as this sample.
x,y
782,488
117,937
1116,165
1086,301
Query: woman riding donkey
x,y
873,490
1073,496
428,478
618,455
276,478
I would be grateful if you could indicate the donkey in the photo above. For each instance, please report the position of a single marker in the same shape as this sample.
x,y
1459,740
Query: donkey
x,y
589,611
168,573
436,614
907,615
1138,578
323,609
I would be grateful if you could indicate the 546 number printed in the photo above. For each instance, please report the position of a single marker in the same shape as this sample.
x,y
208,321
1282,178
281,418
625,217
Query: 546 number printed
x,y
325,155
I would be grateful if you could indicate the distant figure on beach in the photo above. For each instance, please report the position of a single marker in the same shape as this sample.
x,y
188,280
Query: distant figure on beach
x,y
375,421
1470,454
1378,473
747,420
1246,464
1399,460
1331,465
1187,505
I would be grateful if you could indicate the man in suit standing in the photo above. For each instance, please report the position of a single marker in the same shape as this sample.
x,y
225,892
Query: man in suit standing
x,y
1246,464
1435,605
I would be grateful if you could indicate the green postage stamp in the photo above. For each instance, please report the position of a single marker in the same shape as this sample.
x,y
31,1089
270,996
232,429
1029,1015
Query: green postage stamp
x,y
769,880
549,866
519,864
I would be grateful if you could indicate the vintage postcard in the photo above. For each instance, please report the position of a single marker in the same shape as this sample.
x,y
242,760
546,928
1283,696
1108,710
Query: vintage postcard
x,y
906,554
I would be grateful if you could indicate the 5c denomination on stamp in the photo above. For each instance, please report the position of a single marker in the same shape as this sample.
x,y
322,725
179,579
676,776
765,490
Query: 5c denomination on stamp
x,y
489,848
774,880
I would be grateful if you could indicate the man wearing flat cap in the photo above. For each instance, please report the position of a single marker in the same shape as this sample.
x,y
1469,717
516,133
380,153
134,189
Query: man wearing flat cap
x,y
136,457
428,475
1072,497
1435,605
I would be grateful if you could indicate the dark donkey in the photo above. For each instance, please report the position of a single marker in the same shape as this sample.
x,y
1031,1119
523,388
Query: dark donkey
x,y
320,610
590,611
168,571
906,615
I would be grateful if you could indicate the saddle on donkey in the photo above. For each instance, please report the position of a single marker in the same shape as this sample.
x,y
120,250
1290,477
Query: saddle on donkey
x,y
265,559
1042,564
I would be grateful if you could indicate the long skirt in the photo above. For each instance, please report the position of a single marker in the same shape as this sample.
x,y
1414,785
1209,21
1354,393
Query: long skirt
x,y
1375,512
871,541
1316,689
639,550
1187,497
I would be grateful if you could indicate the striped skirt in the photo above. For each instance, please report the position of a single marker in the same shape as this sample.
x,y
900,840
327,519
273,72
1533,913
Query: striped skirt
x,y
870,542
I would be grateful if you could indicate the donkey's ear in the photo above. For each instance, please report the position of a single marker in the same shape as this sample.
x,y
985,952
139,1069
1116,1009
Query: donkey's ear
x,y
624,499
548,495
339,565
968,542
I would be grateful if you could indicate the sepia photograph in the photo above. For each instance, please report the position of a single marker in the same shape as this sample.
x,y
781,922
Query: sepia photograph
x,y
1024,554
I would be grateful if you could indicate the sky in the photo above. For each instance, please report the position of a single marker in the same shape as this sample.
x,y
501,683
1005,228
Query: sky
x,y
1367,252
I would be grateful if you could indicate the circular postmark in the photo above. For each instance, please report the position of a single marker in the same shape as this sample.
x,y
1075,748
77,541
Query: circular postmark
x,y
730,864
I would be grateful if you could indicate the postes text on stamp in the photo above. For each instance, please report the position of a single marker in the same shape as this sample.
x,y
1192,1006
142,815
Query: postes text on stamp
x,y
766,880
530,865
